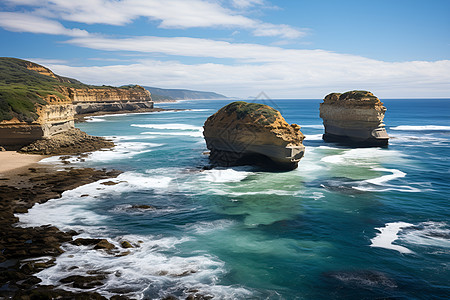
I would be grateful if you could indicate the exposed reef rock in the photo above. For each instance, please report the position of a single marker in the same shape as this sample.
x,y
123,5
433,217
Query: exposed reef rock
x,y
68,142
26,251
354,118
242,133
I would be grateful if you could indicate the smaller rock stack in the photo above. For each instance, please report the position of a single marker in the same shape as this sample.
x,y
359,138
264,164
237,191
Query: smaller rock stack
x,y
354,118
242,133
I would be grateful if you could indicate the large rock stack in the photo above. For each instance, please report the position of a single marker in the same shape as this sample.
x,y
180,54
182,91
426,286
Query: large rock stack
x,y
354,118
242,133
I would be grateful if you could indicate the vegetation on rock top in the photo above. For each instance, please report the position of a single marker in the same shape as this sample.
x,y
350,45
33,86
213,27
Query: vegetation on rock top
x,y
357,95
23,89
352,98
262,114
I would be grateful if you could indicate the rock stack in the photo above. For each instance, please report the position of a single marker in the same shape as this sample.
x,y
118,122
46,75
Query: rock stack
x,y
242,133
354,118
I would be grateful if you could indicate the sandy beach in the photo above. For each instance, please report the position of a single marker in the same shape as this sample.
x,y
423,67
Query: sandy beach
x,y
11,161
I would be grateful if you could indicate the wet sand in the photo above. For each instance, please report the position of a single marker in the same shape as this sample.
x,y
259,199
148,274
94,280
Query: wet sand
x,y
11,161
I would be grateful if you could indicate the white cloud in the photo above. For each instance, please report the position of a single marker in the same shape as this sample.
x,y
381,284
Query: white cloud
x,y
283,31
313,75
169,13
243,4
20,22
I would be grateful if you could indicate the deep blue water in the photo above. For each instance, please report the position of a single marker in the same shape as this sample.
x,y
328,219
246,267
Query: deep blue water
x,y
364,223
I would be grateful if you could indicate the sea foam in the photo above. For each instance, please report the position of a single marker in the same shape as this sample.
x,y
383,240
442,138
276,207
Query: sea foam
x,y
221,175
421,128
388,235
380,184
171,126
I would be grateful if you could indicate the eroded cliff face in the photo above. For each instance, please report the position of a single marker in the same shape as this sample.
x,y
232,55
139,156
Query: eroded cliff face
x,y
55,117
110,94
249,133
355,117
54,102
93,100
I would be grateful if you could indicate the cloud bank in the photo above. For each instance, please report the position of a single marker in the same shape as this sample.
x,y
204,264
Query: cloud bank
x,y
234,69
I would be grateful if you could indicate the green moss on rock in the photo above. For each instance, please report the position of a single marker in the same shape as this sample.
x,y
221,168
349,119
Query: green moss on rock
x,y
261,113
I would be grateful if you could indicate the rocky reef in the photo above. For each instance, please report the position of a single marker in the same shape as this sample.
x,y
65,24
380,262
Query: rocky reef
x,y
72,141
354,118
242,133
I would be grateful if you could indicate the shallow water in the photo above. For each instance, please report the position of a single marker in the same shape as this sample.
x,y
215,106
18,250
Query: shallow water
x,y
348,223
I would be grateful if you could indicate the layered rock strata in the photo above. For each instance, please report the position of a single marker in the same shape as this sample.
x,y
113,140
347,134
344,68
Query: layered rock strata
x,y
354,118
35,103
244,133
93,100
53,119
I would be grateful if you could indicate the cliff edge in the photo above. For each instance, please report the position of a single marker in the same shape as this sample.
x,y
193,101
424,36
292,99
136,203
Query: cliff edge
x,y
354,118
242,133
35,103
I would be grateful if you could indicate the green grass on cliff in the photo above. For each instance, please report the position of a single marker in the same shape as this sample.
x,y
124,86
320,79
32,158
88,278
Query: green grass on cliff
x,y
357,95
22,89
263,114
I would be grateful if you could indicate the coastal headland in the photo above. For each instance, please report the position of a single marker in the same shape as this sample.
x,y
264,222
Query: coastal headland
x,y
38,110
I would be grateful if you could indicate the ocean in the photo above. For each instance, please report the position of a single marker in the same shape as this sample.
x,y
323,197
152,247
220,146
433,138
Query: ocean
x,y
349,223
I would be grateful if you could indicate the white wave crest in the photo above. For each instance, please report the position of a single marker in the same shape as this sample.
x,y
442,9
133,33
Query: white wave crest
x,y
221,175
312,126
147,271
180,133
388,235
313,137
363,157
95,119
380,184
434,234
421,128
122,150
171,126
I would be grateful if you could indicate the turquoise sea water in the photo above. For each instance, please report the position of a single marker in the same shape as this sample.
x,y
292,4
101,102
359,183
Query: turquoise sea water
x,y
364,223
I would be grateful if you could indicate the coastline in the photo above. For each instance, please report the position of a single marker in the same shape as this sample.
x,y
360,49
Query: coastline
x,y
25,182
26,251
13,162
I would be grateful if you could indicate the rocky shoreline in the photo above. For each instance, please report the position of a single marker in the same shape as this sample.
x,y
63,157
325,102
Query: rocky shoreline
x,y
73,141
21,246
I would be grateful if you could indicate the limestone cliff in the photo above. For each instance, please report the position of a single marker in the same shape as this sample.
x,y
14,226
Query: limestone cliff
x,y
36,103
355,117
90,100
244,133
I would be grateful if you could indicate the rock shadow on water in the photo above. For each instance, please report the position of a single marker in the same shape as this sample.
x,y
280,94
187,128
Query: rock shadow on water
x,y
360,284
337,184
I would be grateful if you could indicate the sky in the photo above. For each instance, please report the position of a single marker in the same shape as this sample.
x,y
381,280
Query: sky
x,y
298,49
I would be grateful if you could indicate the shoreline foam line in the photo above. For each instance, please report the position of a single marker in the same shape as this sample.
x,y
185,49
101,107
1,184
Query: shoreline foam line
x,y
421,128
171,126
388,235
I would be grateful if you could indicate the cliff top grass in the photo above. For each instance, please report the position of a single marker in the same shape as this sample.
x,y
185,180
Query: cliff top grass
x,y
352,98
23,87
262,114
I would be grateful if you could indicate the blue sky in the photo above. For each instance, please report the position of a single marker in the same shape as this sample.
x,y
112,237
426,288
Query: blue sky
x,y
287,49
